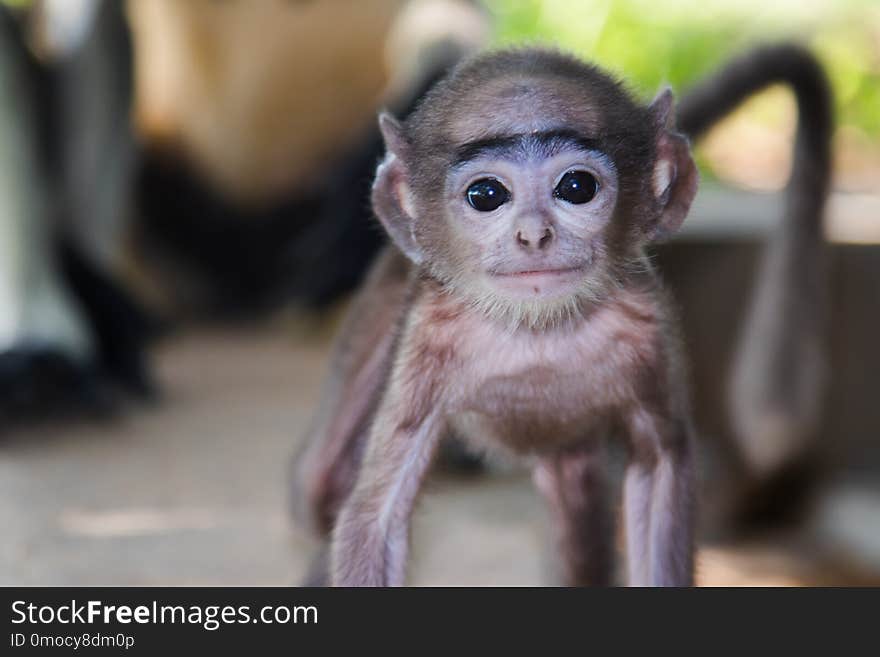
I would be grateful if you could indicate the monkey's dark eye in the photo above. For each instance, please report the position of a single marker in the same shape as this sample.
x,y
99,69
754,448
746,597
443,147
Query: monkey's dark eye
x,y
577,187
487,194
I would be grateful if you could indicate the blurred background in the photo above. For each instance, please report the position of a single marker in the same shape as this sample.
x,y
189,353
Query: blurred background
x,y
184,216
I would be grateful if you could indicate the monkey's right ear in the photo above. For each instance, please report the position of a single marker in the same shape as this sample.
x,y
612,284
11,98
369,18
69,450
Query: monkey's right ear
x,y
392,197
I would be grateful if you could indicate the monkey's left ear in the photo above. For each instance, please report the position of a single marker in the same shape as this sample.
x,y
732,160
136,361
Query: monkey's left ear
x,y
675,177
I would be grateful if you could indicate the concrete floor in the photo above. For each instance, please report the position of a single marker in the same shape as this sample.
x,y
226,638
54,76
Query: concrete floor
x,y
192,491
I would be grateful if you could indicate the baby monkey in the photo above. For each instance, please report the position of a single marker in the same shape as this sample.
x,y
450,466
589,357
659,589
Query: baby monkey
x,y
516,309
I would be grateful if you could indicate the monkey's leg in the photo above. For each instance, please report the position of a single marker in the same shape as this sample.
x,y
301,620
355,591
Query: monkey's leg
x,y
637,490
573,485
659,502
326,469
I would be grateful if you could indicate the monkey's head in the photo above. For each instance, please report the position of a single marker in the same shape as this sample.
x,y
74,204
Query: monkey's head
x,y
531,182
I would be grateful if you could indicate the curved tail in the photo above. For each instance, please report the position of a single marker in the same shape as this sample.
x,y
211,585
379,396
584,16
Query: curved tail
x,y
779,373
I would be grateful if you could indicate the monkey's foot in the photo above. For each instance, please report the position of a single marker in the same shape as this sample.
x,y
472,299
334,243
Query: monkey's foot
x,y
780,499
39,382
455,458
318,574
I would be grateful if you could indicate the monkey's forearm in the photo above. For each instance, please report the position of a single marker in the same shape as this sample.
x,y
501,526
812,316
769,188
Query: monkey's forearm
x,y
370,541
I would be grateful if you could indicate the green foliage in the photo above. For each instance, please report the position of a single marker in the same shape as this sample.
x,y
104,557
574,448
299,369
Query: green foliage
x,y
655,42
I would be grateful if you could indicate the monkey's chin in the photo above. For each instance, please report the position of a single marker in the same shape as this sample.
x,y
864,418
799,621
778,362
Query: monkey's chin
x,y
534,299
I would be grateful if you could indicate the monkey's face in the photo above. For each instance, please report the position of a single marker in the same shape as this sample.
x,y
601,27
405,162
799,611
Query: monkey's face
x,y
527,182
527,217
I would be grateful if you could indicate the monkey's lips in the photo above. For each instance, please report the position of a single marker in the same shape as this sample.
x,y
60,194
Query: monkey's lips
x,y
540,281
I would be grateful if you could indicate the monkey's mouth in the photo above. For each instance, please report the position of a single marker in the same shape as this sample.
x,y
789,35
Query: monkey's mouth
x,y
539,272
551,281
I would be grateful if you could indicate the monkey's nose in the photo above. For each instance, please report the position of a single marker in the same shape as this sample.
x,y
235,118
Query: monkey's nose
x,y
540,239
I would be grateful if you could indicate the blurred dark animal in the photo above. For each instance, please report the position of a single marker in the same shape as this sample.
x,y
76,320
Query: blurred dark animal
x,y
210,201
69,334
256,172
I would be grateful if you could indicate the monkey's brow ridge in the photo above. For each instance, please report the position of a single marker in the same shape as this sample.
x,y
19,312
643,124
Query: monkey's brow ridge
x,y
517,145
